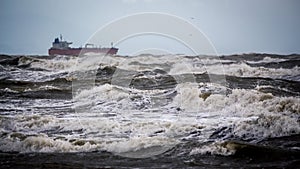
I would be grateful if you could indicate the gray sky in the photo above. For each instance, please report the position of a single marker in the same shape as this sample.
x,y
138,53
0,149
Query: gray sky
x,y
233,26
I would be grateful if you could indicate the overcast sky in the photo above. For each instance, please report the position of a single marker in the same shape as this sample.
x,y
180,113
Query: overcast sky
x,y
232,26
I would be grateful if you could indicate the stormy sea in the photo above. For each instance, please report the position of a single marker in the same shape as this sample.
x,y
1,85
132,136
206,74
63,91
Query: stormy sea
x,y
150,111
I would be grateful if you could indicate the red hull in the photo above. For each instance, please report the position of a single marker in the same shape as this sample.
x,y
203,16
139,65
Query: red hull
x,y
78,51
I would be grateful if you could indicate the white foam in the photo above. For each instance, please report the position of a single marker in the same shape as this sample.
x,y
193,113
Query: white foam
x,y
9,90
42,143
235,69
217,110
124,120
172,64
58,63
214,149
267,60
48,87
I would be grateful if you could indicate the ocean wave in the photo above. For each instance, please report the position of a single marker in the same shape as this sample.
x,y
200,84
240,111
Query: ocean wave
x,y
146,105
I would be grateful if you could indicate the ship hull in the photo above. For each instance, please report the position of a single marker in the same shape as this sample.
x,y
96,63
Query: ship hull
x,y
81,51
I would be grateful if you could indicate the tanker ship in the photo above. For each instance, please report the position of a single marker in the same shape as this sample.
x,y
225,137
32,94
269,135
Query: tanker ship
x,y
60,47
